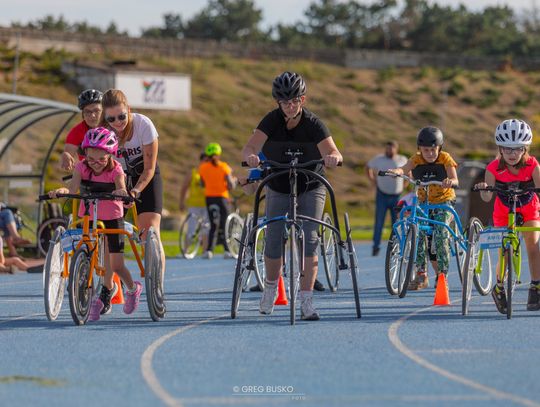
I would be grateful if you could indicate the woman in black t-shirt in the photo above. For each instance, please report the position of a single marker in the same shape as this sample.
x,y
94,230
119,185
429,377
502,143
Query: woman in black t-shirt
x,y
291,127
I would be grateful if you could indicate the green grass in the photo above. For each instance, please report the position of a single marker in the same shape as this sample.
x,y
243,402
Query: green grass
x,y
361,231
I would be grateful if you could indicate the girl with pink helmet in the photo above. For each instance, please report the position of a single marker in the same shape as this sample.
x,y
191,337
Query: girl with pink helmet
x,y
100,172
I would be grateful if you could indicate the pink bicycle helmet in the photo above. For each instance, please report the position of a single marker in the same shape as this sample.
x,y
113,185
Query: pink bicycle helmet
x,y
101,138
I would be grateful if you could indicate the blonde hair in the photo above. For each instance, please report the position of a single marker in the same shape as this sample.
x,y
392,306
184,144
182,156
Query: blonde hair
x,y
112,98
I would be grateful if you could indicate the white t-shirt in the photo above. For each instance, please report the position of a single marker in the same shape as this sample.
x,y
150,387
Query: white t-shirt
x,y
144,133
388,185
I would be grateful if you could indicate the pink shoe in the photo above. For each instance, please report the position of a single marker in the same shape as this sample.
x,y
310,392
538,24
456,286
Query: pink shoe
x,y
95,309
132,299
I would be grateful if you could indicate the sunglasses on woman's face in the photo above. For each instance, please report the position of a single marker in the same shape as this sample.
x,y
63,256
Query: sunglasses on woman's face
x,y
121,117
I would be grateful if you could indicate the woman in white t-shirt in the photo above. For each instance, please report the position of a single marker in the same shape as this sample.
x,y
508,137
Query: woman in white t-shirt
x,y
137,152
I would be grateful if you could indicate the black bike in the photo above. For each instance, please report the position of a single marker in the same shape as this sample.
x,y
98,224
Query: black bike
x,y
293,236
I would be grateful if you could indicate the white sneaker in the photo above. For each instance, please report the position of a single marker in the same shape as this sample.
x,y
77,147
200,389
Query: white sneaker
x,y
268,298
207,255
308,312
228,255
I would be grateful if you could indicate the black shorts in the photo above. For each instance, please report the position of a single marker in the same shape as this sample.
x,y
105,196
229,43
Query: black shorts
x,y
151,199
115,242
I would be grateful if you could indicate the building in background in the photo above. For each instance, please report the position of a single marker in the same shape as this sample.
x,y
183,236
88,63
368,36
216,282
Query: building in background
x,y
145,89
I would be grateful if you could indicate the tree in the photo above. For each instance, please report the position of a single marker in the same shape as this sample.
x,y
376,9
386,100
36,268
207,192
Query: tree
x,y
173,27
230,20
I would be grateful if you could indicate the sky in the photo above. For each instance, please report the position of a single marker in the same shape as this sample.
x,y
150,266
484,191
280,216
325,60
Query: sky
x,y
133,15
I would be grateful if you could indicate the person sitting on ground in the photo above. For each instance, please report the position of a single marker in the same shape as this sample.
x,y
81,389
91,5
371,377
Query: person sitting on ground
x,y
10,264
9,227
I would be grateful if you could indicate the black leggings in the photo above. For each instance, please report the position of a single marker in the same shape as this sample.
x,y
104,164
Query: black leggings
x,y
224,210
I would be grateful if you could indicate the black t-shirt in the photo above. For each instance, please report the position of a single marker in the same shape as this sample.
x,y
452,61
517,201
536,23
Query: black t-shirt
x,y
309,132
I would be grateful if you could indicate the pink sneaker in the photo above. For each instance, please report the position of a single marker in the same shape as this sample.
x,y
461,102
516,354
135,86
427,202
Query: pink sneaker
x,y
132,299
95,309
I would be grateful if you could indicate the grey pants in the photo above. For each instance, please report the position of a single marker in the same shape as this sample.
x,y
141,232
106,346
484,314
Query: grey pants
x,y
310,203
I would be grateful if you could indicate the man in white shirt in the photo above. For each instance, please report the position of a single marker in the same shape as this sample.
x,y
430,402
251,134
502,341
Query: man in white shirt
x,y
388,188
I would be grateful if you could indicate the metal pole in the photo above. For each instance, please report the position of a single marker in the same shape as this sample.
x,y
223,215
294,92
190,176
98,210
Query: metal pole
x,y
16,64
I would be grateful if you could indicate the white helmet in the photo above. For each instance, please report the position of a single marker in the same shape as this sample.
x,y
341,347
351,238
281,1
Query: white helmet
x,y
513,133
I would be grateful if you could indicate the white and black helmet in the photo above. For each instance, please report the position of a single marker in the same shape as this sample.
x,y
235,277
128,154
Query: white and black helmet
x,y
89,97
513,133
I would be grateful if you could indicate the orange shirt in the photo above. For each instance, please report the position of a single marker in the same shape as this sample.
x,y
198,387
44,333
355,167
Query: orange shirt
x,y
215,179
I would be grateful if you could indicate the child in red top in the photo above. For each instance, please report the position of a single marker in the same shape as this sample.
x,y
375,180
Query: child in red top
x,y
514,164
100,171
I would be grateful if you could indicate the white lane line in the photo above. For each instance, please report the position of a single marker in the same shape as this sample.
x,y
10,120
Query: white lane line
x,y
393,335
146,362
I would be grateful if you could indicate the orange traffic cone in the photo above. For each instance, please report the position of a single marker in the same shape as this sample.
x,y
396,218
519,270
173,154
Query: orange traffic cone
x,y
441,293
282,294
119,297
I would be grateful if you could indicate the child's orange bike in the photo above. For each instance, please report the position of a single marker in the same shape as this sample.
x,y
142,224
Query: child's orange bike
x,y
77,255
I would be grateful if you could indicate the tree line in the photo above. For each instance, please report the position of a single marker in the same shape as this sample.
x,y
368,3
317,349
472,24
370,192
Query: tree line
x,y
414,25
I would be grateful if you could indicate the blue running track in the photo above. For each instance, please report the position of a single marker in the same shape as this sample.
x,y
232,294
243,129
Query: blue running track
x,y
402,351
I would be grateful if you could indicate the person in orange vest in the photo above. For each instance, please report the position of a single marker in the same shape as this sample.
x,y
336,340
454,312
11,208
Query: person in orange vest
x,y
217,178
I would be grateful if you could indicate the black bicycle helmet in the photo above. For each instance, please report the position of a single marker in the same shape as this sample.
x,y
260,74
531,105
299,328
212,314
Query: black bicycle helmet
x,y
430,137
288,85
88,97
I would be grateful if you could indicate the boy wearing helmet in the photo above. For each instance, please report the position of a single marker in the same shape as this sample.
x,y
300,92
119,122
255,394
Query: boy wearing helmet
x,y
514,164
100,172
430,163
89,102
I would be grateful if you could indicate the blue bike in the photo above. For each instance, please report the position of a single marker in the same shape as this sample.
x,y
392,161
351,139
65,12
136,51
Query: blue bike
x,y
404,240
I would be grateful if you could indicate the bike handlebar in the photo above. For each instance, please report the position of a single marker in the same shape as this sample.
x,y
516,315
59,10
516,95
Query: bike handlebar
x,y
275,164
411,180
101,196
507,192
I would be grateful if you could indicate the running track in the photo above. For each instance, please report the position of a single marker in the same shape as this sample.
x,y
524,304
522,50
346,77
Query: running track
x,y
402,352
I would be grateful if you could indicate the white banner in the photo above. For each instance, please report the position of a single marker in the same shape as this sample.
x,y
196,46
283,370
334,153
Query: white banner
x,y
155,91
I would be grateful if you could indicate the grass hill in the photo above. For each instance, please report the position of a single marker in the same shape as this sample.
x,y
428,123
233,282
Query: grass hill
x,y
362,108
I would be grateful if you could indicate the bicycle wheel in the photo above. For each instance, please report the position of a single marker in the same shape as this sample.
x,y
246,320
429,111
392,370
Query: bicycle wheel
x,y
242,273
233,233
469,265
153,276
458,251
329,252
392,263
99,269
353,266
406,263
80,287
510,278
54,284
484,272
190,242
296,241
260,268
46,231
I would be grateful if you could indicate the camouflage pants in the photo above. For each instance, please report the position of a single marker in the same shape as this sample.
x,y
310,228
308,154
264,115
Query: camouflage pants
x,y
439,248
